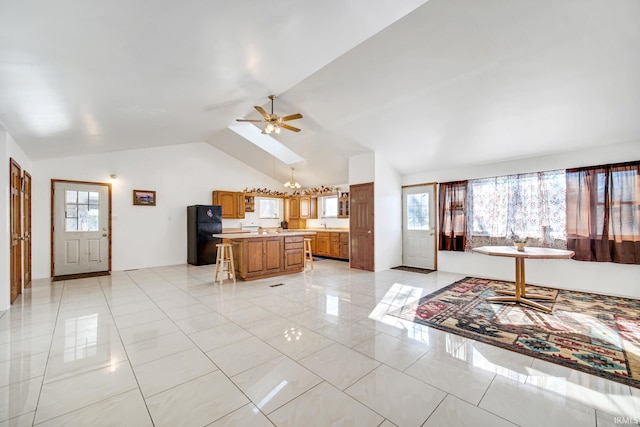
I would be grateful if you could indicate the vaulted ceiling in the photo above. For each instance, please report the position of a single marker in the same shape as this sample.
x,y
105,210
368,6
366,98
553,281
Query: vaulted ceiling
x,y
427,85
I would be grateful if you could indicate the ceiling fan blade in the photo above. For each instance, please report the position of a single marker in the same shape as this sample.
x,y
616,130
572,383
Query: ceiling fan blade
x,y
289,127
291,117
249,120
261,111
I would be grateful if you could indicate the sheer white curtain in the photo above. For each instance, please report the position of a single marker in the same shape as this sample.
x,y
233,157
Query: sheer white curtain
x,y
531,205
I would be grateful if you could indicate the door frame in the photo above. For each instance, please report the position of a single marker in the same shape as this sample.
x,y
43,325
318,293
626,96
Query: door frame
x,y
53,183
15,233
436,231
27,249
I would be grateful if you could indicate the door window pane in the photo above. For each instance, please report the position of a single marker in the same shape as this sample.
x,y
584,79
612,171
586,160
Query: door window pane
x,y
418,211
82,211
72,196
83,197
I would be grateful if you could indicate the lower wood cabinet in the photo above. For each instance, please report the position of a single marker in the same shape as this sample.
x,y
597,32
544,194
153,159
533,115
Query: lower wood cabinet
x,y
259,257
323,244
293,253
268,256
344,245
332,244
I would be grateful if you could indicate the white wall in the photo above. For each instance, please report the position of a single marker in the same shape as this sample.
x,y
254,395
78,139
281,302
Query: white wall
x,y
5,288
387,194
388,215
8,150
607,278
144,236
362,168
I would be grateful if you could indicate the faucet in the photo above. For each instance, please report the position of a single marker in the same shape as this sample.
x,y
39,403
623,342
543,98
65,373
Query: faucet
x,y
324,224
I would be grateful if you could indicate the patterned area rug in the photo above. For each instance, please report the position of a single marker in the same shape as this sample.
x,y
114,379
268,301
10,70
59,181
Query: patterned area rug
x,y
592,333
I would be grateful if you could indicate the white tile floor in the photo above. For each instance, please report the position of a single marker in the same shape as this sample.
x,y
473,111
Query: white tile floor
x,y
167,347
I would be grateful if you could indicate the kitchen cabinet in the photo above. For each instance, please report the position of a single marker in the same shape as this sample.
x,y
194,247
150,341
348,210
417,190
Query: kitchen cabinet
x,y
344,246
249,203
323,244
303,207
343,206
266,255
293,252
258,257
232,203
304,203
294,208
333,244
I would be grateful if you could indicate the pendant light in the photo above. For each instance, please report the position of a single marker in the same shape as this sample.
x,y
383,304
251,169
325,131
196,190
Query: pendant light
x,y
293,183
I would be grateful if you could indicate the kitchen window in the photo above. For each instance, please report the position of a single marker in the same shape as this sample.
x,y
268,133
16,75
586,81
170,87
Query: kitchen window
x,y
328,207
269,208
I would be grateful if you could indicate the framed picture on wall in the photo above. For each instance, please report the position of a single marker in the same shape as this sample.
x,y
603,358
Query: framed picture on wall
x,y
144,197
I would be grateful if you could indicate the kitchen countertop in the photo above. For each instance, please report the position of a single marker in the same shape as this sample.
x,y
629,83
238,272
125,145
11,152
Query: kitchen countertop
x,y
256,235
325,230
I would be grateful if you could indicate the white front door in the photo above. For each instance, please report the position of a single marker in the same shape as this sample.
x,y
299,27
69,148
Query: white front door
x,y
81,228
419,226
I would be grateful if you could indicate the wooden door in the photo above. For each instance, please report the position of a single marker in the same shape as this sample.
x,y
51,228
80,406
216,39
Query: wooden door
x,y
361,227
81,227
15,218
419,226
26,221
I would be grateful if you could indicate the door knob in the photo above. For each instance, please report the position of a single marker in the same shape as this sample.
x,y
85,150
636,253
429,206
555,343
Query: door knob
x,y
369,232
104,234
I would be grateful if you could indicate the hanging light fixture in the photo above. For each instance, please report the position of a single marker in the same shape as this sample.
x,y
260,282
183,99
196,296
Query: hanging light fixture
x,y
293,183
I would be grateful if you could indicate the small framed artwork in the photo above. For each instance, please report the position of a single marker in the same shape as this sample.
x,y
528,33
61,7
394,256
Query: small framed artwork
x,y
144,197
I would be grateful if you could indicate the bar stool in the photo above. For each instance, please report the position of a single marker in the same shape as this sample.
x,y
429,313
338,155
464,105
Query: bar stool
x,y
224,262
308,256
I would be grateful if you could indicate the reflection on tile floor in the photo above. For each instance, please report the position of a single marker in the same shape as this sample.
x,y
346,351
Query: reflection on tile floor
x,y
166,346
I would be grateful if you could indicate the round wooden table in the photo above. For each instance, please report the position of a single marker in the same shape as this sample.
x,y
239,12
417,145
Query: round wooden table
x,y
520,295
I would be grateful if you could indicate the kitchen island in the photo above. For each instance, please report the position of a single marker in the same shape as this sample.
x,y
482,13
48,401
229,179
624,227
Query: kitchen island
x,y
266,255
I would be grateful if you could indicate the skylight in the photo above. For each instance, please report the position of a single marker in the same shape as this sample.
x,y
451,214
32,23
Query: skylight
x,y
272,146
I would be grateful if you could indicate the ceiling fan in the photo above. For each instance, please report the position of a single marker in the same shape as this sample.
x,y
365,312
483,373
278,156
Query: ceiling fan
x,y
273,121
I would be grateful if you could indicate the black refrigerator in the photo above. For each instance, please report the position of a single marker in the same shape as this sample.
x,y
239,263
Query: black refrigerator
x,y
202,222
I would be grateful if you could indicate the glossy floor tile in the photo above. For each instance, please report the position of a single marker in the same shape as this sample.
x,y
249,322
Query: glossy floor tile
x,y
166,346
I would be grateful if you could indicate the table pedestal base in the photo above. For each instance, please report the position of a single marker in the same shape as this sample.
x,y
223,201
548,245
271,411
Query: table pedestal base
x,y
520,295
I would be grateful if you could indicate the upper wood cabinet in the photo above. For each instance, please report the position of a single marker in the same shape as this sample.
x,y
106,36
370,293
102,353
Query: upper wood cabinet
x,y
294,208
305,207
343,206
233,203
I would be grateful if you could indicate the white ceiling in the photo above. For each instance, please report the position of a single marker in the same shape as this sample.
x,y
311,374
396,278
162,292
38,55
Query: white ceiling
x,y
427,85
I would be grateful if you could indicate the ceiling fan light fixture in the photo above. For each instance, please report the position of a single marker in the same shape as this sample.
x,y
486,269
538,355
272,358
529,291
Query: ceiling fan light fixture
x,y
293,183
273,122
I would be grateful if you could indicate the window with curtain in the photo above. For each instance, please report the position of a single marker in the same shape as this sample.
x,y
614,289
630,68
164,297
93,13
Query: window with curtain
x,y
453,216
530,205
603,213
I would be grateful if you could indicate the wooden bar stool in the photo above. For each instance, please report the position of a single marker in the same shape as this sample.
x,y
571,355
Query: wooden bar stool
x,y
224,263
308,256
